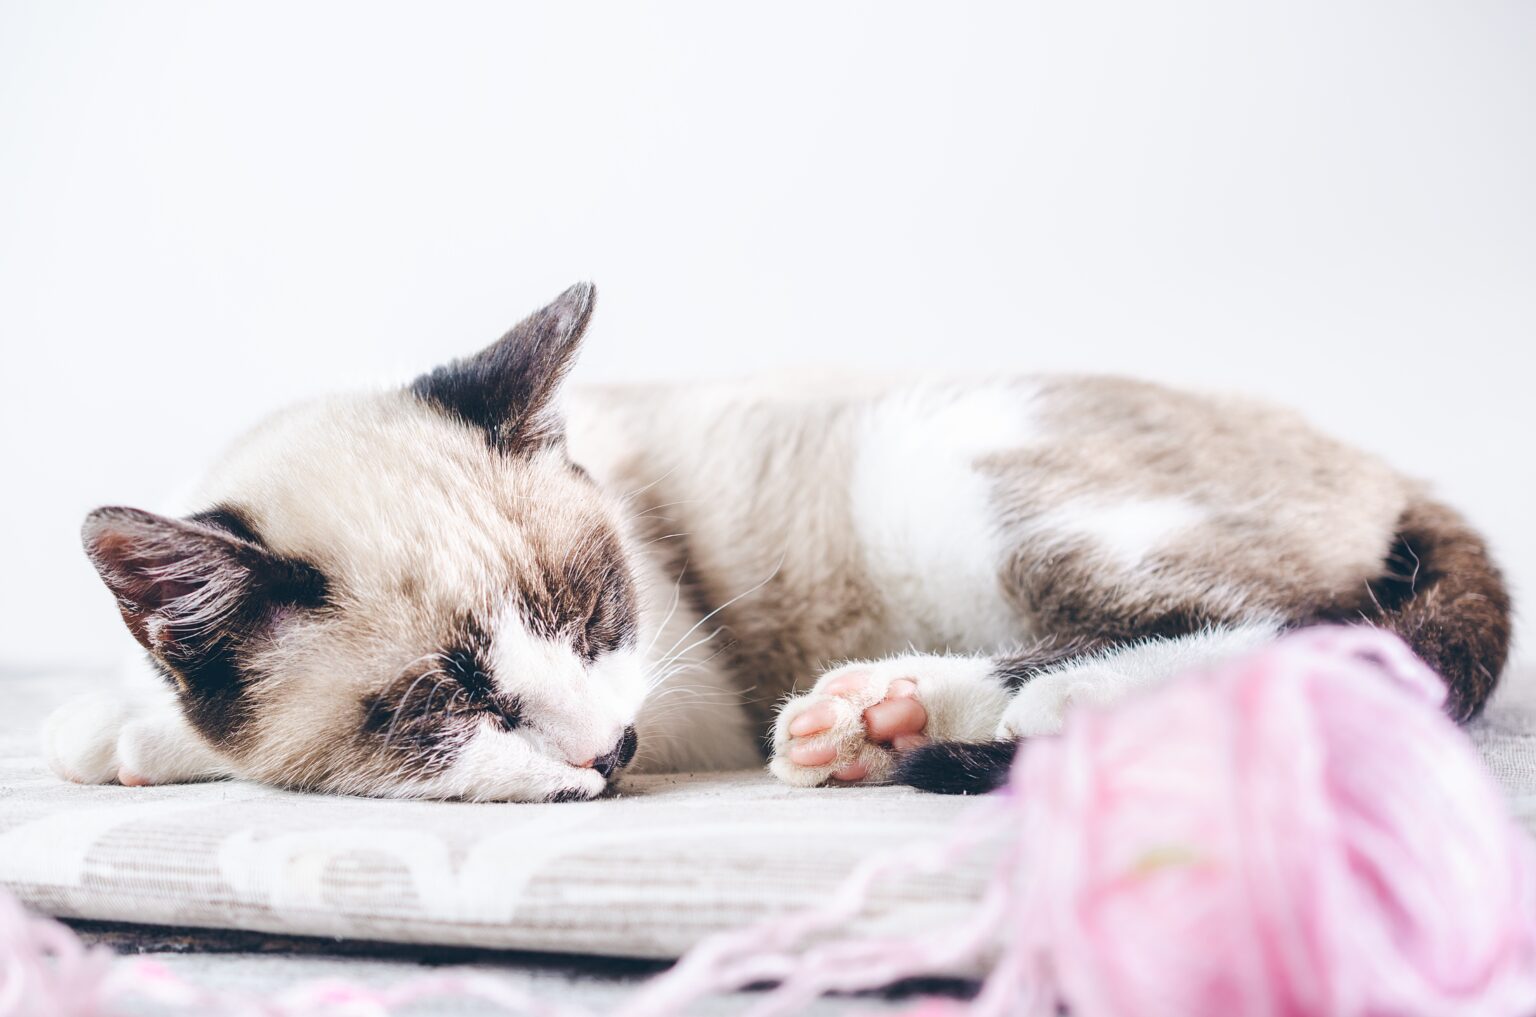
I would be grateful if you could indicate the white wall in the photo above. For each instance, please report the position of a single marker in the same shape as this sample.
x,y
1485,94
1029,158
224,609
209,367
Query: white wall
x,y
208,209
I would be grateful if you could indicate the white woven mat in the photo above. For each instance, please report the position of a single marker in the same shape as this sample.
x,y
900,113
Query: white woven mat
x,y
645,874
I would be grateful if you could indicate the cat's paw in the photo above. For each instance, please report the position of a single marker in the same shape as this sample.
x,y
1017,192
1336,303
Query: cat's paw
x,y
849,727
99,739
1042,705
80,738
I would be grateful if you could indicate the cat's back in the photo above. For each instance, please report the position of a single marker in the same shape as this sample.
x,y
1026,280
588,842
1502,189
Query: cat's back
x,y
889,512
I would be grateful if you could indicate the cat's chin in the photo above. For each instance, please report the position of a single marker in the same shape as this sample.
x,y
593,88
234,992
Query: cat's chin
x,y
494,767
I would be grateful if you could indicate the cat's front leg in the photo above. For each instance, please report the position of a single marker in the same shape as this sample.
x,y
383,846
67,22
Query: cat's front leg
x,y
858,717
1048,694
108,738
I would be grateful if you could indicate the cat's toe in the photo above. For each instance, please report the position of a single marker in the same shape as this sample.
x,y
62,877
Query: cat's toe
x,y
812,752
851,774
128,778
899,717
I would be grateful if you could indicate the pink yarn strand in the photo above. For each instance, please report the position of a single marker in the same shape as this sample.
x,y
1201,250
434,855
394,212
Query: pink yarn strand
x,y
758,953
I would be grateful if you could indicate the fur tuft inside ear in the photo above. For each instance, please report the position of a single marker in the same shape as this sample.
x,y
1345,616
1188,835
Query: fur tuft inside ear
x,y
185,586
508,389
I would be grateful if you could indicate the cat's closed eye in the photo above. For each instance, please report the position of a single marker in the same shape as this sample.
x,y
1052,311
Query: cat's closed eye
x,y
478,693
609,624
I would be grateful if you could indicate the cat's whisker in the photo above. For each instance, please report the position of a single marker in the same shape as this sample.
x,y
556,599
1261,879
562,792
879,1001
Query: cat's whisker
x,y
437,687
682,668
745,593
628,495
410,690
668,660
671,504
677,593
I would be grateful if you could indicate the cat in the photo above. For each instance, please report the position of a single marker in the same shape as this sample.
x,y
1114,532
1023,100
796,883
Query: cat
x,y
479,587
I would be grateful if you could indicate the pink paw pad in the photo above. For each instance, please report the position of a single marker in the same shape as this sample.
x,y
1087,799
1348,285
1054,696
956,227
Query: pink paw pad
x,y
896,721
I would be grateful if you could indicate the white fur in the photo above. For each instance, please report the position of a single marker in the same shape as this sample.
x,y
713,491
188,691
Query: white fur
x,y
161,748
497,765
80,737
95,739
578,715
1041,706
1128,531
924,513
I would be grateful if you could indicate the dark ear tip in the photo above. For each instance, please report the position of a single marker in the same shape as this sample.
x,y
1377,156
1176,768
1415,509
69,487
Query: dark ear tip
x,y
116,514
578,302
97,531
100,524
101,519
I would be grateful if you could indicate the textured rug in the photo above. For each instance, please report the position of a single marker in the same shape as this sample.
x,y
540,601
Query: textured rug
x,y
643,874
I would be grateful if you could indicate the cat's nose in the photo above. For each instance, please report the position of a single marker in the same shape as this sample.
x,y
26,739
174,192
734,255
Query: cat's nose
x,y
619,756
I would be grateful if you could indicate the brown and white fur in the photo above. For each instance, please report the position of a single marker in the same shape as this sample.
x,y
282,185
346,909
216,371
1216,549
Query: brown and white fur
x,y
472,588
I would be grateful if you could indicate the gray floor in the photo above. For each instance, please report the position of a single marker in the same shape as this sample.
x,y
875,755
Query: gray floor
x,y
259,964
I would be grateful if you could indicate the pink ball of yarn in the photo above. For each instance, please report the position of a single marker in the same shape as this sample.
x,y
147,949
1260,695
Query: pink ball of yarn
x,y
1300,833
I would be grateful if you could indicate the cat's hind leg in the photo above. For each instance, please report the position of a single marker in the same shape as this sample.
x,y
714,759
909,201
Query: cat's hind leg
x,y
107,738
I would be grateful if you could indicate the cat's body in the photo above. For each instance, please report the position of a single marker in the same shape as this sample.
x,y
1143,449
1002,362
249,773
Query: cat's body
x,y
418,593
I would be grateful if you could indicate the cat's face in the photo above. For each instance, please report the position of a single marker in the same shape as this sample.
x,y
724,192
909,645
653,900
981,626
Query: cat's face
x,y
410,593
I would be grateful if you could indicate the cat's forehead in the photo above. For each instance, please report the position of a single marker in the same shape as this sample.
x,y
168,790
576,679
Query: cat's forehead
x,y
390,493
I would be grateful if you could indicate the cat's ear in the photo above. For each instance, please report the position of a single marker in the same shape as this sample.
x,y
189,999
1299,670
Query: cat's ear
x,y
508,389
188,588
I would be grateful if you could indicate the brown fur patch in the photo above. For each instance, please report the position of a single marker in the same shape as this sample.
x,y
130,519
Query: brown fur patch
x,y
1298,527
801,600
506,390
1444,595
418,724
584,594
198,594
1291,519
1019,666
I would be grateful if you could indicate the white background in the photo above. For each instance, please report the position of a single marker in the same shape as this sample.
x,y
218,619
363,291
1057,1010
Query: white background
x,y
209,210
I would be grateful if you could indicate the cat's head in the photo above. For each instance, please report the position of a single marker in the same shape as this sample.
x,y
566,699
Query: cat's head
x,y
409,593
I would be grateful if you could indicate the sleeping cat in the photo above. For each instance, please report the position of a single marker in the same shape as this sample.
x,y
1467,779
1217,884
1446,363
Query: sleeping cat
x,y
469,588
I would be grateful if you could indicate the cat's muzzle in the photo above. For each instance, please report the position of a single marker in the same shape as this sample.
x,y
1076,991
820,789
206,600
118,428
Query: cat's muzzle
x,y
620,755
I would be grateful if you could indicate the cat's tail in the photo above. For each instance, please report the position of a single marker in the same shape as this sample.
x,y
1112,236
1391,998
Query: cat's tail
x,y
1442,593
